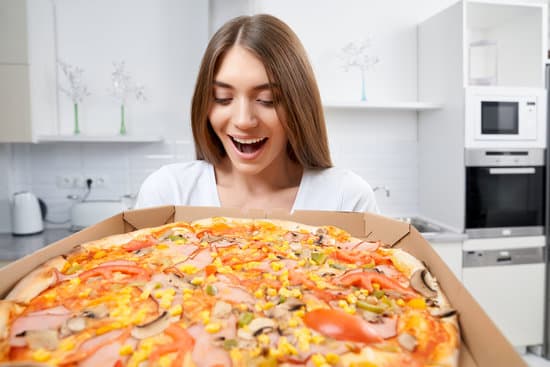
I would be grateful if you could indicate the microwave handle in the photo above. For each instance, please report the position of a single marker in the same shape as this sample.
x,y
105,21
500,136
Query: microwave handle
x,y
512,171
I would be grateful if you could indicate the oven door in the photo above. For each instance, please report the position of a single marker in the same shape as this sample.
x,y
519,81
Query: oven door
x,y
504,201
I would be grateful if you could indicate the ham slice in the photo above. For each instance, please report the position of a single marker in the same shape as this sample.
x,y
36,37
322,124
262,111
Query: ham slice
x,y
234,294
387,328
108,355
199,261
50,319
205,353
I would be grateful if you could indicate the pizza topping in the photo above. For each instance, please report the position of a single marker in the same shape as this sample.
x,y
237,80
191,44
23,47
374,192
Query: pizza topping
x,y
261,325
419,281
442,313
341,326
151,328
407,341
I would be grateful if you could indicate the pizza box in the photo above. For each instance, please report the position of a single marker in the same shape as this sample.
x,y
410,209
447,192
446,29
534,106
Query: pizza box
x,y
482,342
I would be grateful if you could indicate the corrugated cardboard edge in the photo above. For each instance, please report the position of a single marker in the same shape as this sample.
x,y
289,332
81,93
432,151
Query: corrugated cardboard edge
x,y
487,346
483,344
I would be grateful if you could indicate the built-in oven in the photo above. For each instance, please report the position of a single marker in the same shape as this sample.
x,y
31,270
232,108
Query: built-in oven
x,y
505,192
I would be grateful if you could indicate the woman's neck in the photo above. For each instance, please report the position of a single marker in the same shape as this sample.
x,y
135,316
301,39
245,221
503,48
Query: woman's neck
x,y
275,187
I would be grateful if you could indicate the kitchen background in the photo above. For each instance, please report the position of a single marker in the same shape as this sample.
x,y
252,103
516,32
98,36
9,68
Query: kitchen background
x,y
409,144
162,42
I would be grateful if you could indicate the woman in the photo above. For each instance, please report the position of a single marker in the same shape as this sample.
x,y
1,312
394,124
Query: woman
x,y
259,130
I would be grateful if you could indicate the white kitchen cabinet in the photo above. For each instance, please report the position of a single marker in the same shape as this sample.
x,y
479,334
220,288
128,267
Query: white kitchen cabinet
x,y
13,32
398,106
27,70
451,254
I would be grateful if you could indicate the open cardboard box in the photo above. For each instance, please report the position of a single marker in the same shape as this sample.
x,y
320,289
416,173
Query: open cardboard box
x,y
482,342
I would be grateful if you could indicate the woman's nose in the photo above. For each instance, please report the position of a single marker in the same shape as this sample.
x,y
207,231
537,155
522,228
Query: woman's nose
x,y
244,115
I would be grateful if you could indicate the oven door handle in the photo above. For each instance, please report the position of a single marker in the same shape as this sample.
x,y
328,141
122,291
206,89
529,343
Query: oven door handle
x,y
512,171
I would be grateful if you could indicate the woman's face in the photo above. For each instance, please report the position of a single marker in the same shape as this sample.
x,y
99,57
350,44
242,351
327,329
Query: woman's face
x,y
243,113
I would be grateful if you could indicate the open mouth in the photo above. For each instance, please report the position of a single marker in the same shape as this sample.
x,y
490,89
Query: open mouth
x,y
248,146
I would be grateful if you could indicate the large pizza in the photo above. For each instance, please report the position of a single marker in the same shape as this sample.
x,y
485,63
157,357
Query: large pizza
x,y
230,292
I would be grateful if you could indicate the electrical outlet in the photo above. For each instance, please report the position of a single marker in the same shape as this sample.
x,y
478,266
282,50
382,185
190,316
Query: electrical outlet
x,y
99,181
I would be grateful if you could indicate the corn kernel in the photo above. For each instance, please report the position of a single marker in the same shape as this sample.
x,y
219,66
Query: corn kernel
x,y
41,355
85,293
126,350
301,262
268,305
271,292
276,266
175,310
188,269
376,286
351,298
204,316
66,345
75,281
418,303
213,327
162,246
317,339
299,313
342,303
187,296
50,296
99,254
318,360
400,302
332,358
165,361
259,293
285,348
293,322
263,340
197,280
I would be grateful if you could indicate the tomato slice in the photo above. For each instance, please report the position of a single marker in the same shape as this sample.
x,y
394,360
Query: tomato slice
x,y
365,279
341,326
135,245
107,271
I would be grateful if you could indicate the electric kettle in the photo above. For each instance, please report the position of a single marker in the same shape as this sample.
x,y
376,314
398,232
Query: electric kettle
x,y
27,213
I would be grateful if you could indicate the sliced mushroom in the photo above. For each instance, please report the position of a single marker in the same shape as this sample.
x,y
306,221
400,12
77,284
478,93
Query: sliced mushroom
x,y
261,325
407,341
243,334
76,324
420,282
151,328
46,339
444,313
97,312
221,310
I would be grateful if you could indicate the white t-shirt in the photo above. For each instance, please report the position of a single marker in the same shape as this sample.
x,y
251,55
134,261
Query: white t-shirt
x,y
194,183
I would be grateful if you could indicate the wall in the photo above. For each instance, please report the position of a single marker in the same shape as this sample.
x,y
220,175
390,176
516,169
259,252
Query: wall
x,y
163,52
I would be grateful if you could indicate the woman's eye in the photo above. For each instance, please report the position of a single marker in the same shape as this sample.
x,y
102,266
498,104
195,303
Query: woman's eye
x,y
222,101
265,102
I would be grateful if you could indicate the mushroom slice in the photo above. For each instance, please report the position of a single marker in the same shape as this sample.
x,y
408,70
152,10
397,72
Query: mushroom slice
x,y
221,310
97,312
407,341
420,282
76,324
261,325
444,313
46,339
151,328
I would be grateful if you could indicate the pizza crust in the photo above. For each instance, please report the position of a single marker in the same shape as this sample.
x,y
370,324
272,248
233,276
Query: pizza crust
x,y
37,281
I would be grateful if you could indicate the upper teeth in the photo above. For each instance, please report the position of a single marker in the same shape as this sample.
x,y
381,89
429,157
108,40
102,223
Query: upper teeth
x,y
247,141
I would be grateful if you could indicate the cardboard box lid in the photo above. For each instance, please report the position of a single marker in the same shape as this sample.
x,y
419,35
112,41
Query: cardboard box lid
x,y
483,344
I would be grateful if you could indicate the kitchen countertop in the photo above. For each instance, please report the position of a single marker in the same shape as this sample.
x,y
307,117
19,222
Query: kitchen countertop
x,y
15,247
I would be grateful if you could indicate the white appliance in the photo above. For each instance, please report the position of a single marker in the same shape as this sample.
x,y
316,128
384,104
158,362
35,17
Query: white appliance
x,y
87,213
26,214
507,276
498,117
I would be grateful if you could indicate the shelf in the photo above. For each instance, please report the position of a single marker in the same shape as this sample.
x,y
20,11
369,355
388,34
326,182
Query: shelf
x,y
97,139
406,106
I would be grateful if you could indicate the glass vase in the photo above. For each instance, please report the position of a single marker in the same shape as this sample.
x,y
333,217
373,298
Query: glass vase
x,y
363,93
76,127
122,121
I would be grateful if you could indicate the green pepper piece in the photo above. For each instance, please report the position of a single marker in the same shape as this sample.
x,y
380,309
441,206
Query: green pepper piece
x,y
245,318
230,344
318,257
338,266
369,307
211,290
378,294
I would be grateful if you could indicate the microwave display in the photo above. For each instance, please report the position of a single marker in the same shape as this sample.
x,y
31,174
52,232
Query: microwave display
x,y
499,117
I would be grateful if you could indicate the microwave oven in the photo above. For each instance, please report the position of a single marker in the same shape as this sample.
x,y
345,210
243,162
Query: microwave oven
x,y
506,117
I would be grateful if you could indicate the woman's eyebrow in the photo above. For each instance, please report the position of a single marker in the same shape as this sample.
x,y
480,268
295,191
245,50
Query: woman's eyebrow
x,y
258,87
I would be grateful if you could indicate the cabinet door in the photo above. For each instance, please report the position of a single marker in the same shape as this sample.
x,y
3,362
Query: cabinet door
x,y
451,254
13,32
15,120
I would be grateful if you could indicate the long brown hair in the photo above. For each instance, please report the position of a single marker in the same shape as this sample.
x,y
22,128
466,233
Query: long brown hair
x,y
287,66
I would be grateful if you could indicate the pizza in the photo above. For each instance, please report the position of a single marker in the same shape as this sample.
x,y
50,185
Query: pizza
x,y
230,292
